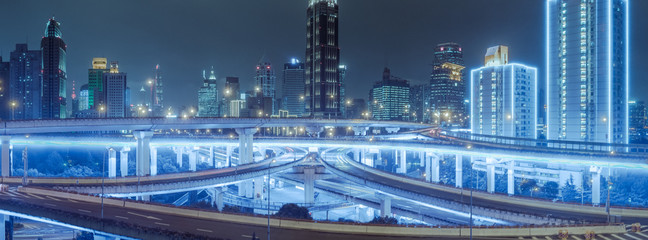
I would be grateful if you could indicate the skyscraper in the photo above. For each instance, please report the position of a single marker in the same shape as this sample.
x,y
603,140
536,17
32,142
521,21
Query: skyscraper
x,y
389,98
157,93
503,97
208,102
293,87
343,100
266,81
54,72
84,98
638,117
232,93
5,92
587,70
322,59
447,85
96,91
25,82
420,103
115,90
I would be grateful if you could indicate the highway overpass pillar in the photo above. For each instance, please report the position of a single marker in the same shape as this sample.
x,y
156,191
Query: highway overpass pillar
x,y
490,174
112,163
245,156
123,161
217,196
596,185
154,161
510,174
434,167
378,159
211,156
143,166
402,161
391,130
356,154
385,204
258,189
458,171
360,131
145,198
309,185
179,151
363,155
6,155
228,155
193,155
314,131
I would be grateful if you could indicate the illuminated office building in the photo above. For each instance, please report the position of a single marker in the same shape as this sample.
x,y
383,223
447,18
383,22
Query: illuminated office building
x,y
208,102
96,91
293,87
637,110
266,83
447,85
587,70
232,92
503,97
157,93
5,93
389,98
25,82
115,93
54,78
322,91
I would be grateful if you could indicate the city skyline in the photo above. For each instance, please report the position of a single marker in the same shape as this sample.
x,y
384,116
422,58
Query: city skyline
x,y
409,52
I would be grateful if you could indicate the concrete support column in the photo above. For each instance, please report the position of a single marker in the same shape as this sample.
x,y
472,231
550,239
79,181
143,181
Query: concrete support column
x,y
193,155
211,156
596,185
258,189
154,161
428,167
145,198
309,185
112,163
123,161
217,197
458,171
6,155
245,156
510,174
490,175
314,131
402,162
385,204
434,168
356,154
363,155
360,131
143,166
228,155
378,159
6,227
179,151
421,156
391,130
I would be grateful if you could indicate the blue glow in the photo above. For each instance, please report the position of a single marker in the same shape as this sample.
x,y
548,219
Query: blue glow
x,y
609,30
548,91
627,70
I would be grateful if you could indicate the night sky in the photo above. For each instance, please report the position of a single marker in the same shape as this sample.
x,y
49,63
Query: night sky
x,y
185,37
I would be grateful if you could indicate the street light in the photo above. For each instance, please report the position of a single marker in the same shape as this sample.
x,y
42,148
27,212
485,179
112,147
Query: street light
x,y
271,162
13,108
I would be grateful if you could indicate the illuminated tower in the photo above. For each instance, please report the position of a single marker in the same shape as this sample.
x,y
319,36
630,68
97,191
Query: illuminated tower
x,y
503,97
96,91
322,89
266,82
390,98
25,82
157,91
54,72
447,85
115,92
208,102
587,70
293,85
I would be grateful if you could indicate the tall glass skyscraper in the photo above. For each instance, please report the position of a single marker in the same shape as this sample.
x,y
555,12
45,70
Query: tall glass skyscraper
x,y
208,102
54,72
115,92
447,85
293,85
266,81
5,105
157,93
25,82
96,91
587,70
322,59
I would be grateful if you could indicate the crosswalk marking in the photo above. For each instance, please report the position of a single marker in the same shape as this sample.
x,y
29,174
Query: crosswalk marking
x,y
642,234
576,237
630,235
617,236
548,238
604,237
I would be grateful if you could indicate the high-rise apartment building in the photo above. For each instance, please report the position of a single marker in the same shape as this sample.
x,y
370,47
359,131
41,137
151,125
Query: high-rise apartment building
x,y
389,98
5,92
54,76
25,82
343,99
157,94
447,85
232,92
293,87
84,98
420,110
96,91
266,81
322,92
503,97
587,70
638,116
115,93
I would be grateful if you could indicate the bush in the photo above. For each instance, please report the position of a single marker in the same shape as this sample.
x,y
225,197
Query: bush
x,y
231,209
384,220
291,210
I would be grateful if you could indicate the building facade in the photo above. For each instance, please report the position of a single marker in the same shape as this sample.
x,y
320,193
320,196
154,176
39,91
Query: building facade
x,y
293,87
587,70
54,83
503,98
389,98
232,92
208,102
447,86
266,81
25,83
322,91
96,86
420,103
637,120
115,93
343,99
5,91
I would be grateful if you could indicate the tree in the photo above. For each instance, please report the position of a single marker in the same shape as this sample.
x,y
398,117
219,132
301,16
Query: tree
x,y
550,190
291,210
527,186
384,220
569,192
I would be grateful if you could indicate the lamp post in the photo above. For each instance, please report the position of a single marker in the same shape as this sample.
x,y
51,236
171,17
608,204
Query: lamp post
x,y
103,173
472,178
13,108
271,162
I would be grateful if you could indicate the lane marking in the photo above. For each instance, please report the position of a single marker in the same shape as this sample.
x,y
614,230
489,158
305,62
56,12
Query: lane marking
x,y
144,216
629,235
548,238
617,236
83,210
604,237
163,224
72,200
49,204
575,237
204,230
535,238
34,195
53,198
641,234
120,217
